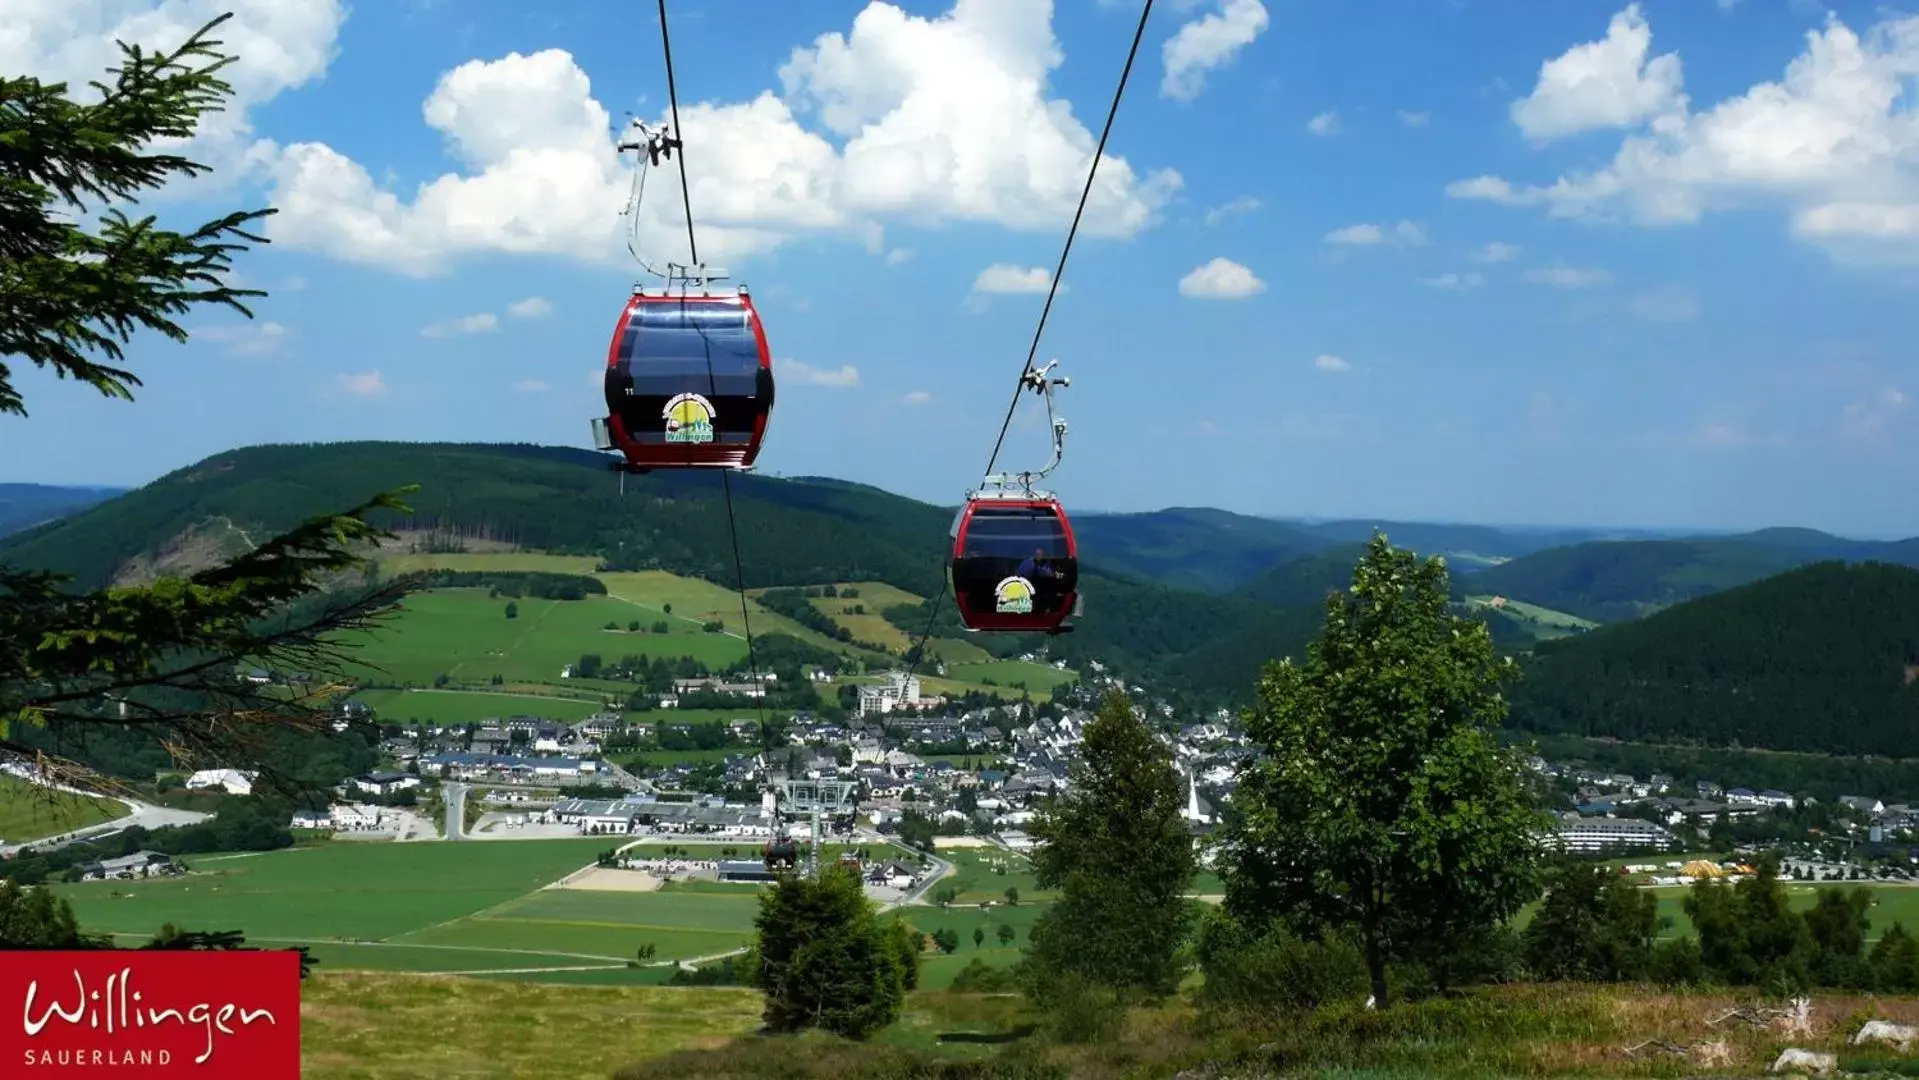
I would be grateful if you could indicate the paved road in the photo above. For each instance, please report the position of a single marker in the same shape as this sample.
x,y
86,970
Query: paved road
x,y
454,796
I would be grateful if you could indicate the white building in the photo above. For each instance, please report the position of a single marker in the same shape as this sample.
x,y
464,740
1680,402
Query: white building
x,y
1601,834
899,689
354,817
232,781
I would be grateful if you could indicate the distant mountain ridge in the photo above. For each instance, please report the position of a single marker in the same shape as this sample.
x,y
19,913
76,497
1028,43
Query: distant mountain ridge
x,y
1616,580
1196,598
23,506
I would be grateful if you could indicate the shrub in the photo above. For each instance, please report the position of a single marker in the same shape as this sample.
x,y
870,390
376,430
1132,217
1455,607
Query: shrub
x,y
1267,968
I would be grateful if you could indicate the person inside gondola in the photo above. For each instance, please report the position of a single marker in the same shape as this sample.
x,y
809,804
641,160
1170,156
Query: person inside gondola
x,y
1039,570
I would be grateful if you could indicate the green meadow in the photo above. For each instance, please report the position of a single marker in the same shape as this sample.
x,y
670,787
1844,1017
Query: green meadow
x,y
30,812
465,635
349,892
450,707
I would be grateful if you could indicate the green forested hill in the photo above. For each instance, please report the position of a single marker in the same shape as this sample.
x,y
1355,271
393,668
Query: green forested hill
x,y
1194,548
1823,658
1305,580
792,532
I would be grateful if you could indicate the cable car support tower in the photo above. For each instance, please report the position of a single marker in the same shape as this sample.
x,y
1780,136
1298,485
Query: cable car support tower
x,y
814,800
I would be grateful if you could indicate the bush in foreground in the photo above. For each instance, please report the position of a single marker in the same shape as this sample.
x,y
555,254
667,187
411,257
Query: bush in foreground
x,y
826,959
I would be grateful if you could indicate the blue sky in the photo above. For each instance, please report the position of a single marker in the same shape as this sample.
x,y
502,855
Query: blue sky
x,y
1487,260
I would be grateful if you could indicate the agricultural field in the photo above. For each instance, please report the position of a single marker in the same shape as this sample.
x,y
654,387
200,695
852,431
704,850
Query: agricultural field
x,y
30,812
937,969
1016,674
362,893
603,925
465,634
977,874
516,562
1542,622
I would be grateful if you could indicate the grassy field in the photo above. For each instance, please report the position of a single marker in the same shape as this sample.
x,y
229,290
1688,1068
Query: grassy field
x,y
499,562
604,925
1038,678
465,634
694,601
978,877
350,892
1543,622
30,812
450,707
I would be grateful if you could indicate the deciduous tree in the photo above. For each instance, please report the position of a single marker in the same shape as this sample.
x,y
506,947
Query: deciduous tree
x,y
1383,805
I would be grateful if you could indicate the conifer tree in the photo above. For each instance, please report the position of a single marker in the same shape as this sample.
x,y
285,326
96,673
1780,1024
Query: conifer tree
x,y
1118,848
78,279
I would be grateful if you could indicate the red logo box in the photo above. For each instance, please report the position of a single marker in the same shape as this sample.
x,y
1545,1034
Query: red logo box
x,y
150,1013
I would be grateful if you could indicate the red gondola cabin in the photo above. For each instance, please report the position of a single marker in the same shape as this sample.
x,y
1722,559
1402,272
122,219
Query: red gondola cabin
x,y
689,382
1015,566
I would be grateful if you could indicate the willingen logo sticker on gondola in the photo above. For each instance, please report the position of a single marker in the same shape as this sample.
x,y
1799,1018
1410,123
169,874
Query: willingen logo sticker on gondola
x,y
689,419
196,1013
1013,596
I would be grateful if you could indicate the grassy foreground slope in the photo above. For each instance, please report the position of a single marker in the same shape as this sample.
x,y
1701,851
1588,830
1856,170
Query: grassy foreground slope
x,y
387,1027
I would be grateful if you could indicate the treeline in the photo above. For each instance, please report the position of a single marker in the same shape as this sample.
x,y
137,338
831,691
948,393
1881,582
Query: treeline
x,y
535,584
242,823
796,604
1823,776
1594,926
1820,659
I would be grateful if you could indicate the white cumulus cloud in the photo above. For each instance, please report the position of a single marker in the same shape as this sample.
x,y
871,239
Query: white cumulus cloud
x,y
1869,418
246,339
530,308
1221,279
1326,362
278,45
927,120
1454,282
1567,277
793,371
1206,43
1610,83
483,323
1243,205
1497,252
1007,278
1834,141
1414,119
365,384
916,397
1326,123
1368,234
